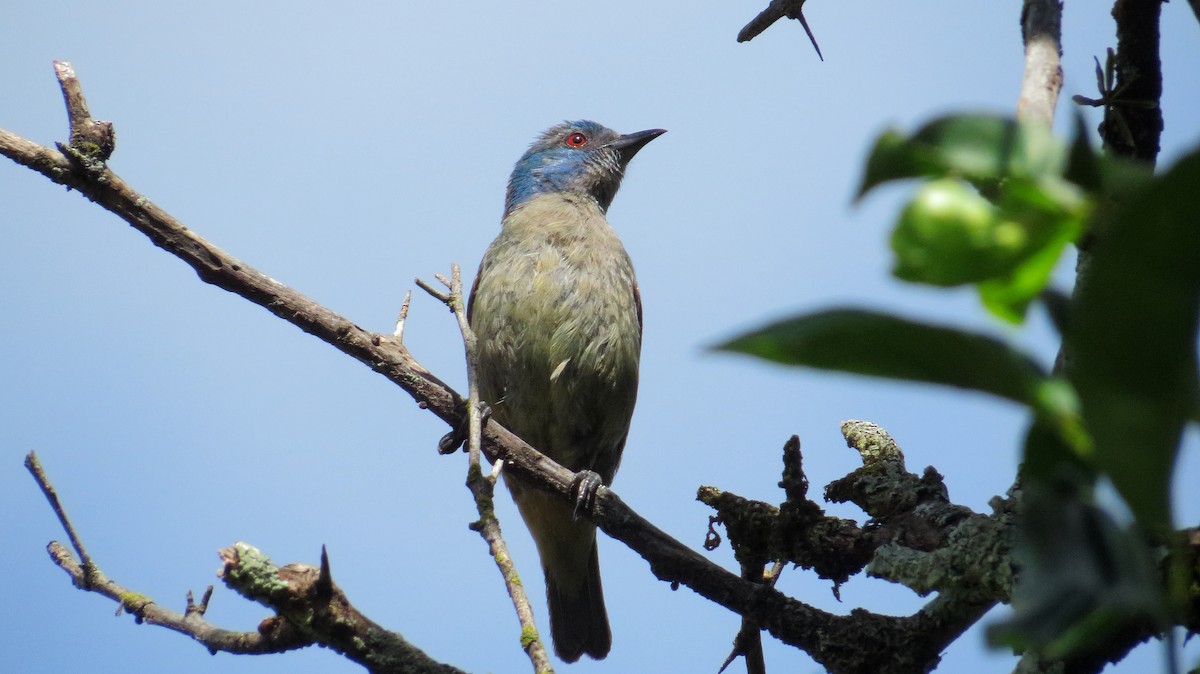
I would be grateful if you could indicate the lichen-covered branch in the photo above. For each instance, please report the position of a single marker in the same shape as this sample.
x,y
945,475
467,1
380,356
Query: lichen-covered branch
x,y
915,537
305,598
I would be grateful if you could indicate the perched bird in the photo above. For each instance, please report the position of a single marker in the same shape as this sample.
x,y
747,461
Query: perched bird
x,y
556,311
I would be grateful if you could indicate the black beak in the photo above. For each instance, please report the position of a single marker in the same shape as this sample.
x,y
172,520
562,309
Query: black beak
x,y
629,144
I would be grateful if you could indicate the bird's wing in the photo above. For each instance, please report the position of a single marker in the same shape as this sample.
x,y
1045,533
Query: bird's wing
x,y
637,300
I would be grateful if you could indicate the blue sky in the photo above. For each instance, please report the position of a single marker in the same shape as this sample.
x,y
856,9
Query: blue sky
x,y
345,151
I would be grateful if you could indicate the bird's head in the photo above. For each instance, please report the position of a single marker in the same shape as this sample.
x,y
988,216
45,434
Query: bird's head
x,y
582,158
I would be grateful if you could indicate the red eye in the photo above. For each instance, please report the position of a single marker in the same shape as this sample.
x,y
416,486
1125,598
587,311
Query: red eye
x,y
577,140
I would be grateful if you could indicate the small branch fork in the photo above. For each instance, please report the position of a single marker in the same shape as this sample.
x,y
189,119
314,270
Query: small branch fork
x,y
483,486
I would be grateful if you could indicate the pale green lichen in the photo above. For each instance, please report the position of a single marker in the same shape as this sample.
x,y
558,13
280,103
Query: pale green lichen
x,y
134,601
529,635
255,571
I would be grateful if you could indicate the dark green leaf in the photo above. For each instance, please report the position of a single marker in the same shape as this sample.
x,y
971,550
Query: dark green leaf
x,y
1131,345
1058,307
1082,576
1083,164
1008,297
865,342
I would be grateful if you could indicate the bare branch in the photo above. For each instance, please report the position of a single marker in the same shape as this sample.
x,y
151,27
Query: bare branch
x,y
39,475
93,141
1041,30
398,333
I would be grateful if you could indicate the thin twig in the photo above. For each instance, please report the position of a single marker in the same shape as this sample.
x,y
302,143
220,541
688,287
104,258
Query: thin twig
x,y
194,609
398,333
482,488
39,474
88,576
90,141
438,295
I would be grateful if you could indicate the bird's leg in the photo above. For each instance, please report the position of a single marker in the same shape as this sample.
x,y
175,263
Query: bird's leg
x,y
585,486
457,437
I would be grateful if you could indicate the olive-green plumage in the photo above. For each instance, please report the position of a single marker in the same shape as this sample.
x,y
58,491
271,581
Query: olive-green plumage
x,y
557,315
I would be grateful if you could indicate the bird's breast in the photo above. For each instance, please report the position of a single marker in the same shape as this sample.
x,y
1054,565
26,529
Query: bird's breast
x,y
556,313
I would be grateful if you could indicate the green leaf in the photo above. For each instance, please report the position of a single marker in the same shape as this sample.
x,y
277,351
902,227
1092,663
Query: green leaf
x,y
982,149
1082,577
1048,232
882,345
1102,175
1008,297
1083,164
950,235
1131,343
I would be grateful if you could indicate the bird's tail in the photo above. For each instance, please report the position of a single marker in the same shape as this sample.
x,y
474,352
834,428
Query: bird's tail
x,y
578,620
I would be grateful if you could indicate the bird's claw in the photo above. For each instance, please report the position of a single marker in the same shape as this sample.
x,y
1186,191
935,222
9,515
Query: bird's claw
x,y
584,487
453,440
458,436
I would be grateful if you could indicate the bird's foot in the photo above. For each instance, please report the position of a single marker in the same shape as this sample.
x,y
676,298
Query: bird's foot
x,y
458,436
585,486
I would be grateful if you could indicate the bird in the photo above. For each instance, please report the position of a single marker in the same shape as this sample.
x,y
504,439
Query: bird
x,y
557,315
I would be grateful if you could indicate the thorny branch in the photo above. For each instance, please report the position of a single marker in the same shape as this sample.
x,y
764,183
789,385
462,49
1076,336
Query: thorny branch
x,y
778,9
